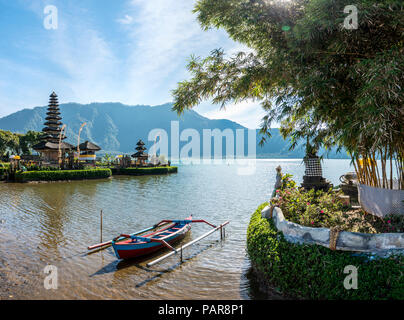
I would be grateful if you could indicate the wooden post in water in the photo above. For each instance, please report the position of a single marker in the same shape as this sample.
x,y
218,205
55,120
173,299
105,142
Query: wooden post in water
x,y
101,227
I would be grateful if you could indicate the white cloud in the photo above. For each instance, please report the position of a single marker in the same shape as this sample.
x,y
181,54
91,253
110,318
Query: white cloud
x,y
84,64
16,93
126,20
247,113
165,33
76,61
89,67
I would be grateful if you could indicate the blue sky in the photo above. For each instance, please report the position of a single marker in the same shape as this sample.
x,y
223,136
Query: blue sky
x,y
129,51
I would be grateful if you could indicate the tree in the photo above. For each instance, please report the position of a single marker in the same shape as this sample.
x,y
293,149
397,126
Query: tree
x,y
108,158
28,140
18,143
8,142
317,78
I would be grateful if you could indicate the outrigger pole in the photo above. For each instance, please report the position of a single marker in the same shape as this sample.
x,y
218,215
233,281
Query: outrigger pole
x,y
175,251
162,222
161,240
99,245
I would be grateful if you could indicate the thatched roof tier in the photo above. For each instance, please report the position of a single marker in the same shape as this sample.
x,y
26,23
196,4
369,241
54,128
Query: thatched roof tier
x,y
46,136
53,118
45,145
140,155
53,137
53,112
140,148
51,129
52,123
89,146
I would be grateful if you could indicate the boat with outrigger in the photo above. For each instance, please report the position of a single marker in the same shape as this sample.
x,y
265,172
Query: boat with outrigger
x,y
164,235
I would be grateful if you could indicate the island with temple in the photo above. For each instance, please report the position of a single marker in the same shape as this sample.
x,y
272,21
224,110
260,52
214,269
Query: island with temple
x,y
58,160
142,165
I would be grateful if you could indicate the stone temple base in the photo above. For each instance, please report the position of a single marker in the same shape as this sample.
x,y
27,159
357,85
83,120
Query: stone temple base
x,y
316,183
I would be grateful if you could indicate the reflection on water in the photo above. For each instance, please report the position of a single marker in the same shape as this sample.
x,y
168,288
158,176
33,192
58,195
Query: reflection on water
x,y
53,223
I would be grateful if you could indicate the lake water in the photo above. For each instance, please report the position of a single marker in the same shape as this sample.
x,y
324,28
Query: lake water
x,y
53,223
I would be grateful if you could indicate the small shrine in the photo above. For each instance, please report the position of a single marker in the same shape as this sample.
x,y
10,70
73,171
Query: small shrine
x,y
313,175
140,156
87,151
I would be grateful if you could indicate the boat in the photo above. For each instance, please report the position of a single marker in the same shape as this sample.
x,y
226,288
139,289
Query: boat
x,y
127,246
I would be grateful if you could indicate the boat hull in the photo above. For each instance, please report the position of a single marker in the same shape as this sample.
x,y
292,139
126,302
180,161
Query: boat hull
x,y
128,250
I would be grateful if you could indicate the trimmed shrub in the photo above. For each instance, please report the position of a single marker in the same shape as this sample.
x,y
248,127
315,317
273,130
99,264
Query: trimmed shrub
x,y
59,175
38,168
144,171
3,170
315,272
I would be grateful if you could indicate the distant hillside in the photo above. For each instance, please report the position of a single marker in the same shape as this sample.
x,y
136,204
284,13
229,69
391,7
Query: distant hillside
x,y
116,127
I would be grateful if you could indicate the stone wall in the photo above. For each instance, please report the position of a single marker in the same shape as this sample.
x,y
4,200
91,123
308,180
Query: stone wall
x,y
382,244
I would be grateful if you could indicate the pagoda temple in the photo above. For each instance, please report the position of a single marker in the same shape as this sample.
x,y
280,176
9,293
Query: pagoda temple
x,y
52,148
141,156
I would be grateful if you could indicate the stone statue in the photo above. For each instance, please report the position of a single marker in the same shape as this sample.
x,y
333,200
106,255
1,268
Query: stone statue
x,y
278,182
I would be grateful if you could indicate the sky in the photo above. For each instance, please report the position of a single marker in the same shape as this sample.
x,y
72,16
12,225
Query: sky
x,y
128,51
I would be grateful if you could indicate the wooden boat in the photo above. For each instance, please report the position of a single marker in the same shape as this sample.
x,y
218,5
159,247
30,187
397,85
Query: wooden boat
x,y
132,246
128,246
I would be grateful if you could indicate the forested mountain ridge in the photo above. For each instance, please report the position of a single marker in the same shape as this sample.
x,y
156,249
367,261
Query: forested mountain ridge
x,y
116,127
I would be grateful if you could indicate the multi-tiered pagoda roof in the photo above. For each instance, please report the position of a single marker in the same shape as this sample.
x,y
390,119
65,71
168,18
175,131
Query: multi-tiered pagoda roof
x,y
140,148
51,131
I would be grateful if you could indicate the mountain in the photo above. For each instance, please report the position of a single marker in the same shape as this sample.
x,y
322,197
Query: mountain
x,y
116,127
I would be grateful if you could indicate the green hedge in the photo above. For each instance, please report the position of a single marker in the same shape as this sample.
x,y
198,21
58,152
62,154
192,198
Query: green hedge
x,y
3,169
316,272
62,175
144,171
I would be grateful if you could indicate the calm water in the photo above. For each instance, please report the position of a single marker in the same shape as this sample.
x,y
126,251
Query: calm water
x,y
53,223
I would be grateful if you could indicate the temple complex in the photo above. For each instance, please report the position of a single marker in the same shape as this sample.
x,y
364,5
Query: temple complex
x,y
52,149
54,152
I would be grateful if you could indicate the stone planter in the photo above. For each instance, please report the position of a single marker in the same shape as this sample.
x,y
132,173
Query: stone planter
x,y
382,244
380,201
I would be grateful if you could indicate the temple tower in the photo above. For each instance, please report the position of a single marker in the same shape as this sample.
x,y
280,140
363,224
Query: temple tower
x,y
52,148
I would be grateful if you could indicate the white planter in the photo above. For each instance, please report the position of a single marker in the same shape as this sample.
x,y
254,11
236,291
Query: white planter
x,y
379,201
381,244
